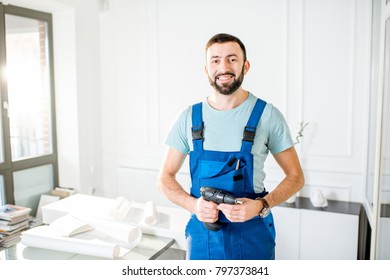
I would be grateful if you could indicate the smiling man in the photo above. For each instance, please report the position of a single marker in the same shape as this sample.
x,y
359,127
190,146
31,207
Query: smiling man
x,y
228,137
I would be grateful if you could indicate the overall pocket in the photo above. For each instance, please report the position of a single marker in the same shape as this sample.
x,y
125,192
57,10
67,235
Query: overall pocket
x,y
227,176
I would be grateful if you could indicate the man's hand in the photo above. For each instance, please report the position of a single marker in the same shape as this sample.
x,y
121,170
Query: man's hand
x,y
241,212
206,211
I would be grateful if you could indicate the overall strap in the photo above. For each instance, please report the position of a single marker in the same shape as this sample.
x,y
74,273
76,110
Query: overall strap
x,y
197,126
250,128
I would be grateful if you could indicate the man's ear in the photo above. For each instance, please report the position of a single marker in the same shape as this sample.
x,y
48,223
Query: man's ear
x,y
247,65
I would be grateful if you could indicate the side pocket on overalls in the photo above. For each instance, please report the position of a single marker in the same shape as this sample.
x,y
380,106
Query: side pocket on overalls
x,y
270,226
258,239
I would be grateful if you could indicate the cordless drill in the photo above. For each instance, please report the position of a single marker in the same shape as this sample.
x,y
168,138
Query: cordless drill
x,y
217,196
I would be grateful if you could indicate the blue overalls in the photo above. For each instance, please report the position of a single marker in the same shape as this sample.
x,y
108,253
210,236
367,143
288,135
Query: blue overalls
x,y
231,172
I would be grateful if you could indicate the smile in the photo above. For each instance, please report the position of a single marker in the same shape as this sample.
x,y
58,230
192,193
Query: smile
x,y
225,77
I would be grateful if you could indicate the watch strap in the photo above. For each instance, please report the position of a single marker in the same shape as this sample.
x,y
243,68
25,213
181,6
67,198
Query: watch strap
x,y
264,201
266,209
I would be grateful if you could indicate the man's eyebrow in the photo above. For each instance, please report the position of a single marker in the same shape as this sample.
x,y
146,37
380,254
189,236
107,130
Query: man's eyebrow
x,y
218,56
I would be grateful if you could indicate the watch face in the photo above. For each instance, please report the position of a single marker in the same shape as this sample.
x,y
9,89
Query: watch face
x,y
266,209
265,212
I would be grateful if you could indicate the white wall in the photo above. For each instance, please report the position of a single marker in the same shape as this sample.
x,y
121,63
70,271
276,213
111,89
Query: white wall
x,y
126,68
309,58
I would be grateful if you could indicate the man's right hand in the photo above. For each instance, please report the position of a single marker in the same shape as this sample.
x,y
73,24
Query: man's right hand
x,y
206,211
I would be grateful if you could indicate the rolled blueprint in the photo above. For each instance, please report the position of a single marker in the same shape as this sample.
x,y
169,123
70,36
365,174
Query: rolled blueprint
x,y
103,238
120,208
150,214
125,234
37,237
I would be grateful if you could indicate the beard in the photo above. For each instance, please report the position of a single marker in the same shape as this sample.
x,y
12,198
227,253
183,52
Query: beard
x,y
227,89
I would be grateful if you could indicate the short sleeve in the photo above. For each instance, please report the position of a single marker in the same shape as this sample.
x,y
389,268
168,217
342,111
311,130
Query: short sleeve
x,y
279,133
177,137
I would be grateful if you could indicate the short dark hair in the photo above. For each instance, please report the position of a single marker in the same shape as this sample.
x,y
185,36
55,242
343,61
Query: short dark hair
x,y
225,38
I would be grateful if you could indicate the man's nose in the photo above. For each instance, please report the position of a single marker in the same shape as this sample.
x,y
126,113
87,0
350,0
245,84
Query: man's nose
x,y
224,66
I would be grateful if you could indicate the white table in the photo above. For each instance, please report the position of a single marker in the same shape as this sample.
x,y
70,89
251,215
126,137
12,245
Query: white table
x,y
149,248
156,239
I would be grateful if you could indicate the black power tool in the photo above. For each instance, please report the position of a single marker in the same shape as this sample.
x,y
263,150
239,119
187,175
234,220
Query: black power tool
x,y
217,196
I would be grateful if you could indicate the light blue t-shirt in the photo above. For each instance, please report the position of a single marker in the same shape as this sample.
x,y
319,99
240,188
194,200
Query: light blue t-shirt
x,y
223,131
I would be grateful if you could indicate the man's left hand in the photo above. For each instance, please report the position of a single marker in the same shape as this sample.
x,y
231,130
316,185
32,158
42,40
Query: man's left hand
x,y
241,212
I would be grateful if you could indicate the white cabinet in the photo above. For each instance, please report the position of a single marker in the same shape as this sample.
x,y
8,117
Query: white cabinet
x,y
309,233
287,224
326,235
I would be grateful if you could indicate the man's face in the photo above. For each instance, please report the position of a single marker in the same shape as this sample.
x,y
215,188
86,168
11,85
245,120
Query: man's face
x,y
225,67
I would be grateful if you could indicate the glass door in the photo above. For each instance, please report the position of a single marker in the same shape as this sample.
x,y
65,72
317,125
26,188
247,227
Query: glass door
x,y
28,103
28,160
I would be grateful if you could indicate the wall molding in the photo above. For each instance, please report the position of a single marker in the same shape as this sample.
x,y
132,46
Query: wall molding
x,y
171,78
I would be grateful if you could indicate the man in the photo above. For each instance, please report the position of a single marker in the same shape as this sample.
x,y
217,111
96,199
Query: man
x,y
212,132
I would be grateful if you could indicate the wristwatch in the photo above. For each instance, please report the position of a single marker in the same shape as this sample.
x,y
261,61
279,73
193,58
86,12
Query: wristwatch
x,y
266,209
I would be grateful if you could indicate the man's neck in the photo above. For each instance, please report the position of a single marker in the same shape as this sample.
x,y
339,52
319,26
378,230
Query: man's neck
x,y
227,102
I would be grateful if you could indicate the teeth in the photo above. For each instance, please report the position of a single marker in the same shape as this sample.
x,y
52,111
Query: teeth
x,y
224,77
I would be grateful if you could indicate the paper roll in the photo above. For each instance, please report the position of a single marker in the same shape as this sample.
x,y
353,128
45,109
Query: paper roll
x,y
150,214
36,237
125,234
120,208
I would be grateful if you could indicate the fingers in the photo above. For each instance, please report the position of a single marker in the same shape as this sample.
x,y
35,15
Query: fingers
x,y
240,212
234,213
206,211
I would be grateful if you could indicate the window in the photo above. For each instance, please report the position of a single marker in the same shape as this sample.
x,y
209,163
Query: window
x,y
28,153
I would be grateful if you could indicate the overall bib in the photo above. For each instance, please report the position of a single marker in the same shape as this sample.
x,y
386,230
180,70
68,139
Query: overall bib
x,y
231,172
